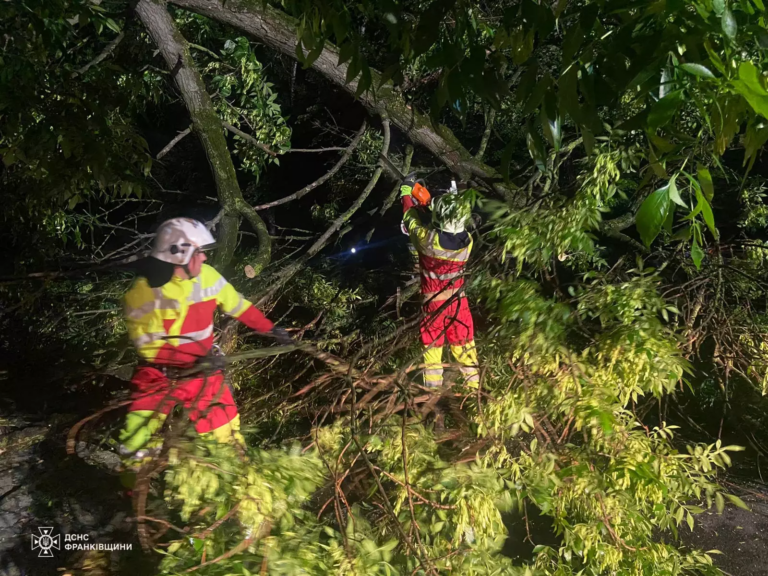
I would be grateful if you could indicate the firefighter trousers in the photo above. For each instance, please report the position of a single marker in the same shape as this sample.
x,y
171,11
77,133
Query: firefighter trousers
x,y
207,400
454,324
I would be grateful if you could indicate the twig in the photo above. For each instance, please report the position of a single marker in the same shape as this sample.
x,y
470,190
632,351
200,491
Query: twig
x,y
163,522
104,54
290,271
179,137
211,224
265,527
608,526
249,138
218,522
410,489
307,189
72,436
328,149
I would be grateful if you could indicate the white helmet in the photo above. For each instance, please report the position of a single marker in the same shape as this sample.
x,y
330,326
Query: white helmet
x,y
177,240
450,212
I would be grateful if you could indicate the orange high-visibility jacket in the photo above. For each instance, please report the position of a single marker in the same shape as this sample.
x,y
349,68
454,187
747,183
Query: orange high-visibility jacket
x,y
442,257
173,324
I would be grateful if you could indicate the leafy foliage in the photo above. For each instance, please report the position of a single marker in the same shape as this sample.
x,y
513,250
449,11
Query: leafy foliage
x,y
612,119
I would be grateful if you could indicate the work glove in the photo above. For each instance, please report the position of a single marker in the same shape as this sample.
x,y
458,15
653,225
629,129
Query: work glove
x,y
282,336
215,362
406,186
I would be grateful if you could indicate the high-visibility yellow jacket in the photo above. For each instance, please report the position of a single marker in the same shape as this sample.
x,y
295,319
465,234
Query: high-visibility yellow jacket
x,y
442,256
173,324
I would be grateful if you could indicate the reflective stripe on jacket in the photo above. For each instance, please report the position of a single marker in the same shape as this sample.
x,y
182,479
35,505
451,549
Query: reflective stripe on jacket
x,y
173,324
442,268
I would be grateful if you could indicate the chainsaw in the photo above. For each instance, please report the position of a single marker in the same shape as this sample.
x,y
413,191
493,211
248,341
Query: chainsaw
x,y
420,193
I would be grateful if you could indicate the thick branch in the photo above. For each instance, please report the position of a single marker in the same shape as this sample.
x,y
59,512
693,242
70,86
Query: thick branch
x,y
396,188
102,56
487,134
390,200
206,124
320,243
277,30
307,189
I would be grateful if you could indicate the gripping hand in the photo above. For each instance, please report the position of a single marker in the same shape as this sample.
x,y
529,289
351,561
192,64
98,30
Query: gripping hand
x,y
282,336
406,186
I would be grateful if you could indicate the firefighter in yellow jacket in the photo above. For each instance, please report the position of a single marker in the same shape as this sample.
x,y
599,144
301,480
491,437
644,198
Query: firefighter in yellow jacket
x,y
443,248
169,313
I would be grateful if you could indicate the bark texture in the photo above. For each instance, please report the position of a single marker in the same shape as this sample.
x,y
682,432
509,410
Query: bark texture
x,y
277,30
207,125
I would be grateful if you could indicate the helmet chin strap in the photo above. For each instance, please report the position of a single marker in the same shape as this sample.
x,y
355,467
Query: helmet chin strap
x,y
185,267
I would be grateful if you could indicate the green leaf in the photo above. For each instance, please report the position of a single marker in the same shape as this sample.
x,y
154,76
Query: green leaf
x,y
354,68
652,214
664,110
314,54
706,212
436,527
719,503
718,6
551,129
573,38
755,138
729,23
340,26
749,86
428,28
536,148
661,143
388,74
365,81
112,25
705,180
674,194
736,501
299,53
345,53
683,234
537,95
670,219
689,520
697,70
527,82
714,58
506,158
697,255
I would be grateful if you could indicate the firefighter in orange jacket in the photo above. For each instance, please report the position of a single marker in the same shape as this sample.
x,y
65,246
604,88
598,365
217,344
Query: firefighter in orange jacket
x,y
443,250
170,321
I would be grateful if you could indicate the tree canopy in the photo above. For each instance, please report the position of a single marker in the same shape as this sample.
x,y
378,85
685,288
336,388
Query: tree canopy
x,y
613,149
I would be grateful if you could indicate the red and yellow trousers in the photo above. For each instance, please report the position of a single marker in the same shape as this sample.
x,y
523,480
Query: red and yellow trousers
x,y
451,322
207,400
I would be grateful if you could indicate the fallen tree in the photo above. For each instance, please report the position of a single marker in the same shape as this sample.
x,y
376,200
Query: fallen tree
x,y
207,125
277,30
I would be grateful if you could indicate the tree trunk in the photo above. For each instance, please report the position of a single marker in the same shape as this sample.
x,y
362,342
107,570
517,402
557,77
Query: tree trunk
x,y
207,125
277,30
